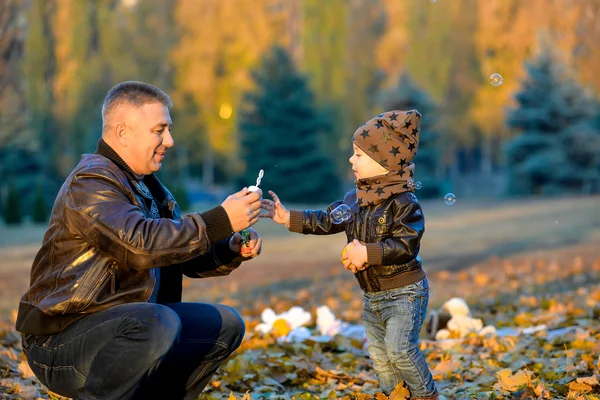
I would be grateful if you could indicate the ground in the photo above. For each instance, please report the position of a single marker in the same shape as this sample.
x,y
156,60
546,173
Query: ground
x,y
518,263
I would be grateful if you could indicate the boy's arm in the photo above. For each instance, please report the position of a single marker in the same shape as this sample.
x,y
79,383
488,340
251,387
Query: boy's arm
x,y
403,246
315,222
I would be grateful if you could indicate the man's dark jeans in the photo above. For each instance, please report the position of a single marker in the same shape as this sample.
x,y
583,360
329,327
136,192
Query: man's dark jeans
x,y
137,351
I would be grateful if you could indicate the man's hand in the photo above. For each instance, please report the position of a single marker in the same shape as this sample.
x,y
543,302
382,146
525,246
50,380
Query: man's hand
x,y
275,210
354,256
243,208
254,245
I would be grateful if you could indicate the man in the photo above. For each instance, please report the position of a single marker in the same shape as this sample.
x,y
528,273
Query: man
x,y
103,317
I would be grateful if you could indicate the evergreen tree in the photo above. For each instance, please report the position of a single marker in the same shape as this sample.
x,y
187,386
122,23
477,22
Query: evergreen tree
x,y
13,214
39,208
552,116
407,96
281,132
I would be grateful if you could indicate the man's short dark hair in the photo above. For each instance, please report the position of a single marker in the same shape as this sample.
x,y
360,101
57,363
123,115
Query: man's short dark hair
x,y
134,93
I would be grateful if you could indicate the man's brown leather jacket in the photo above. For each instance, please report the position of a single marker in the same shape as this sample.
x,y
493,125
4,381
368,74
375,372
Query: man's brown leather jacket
x,y
101,247
391,231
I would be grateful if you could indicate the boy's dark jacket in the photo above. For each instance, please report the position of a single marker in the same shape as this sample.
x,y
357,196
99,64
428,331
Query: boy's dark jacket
x,y
391,231
101,246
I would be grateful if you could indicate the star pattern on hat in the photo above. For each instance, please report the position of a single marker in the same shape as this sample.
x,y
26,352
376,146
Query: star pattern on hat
x,y
359,201
393,146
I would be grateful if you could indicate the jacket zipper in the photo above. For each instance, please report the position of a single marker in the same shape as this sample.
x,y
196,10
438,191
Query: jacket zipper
x,y
113,279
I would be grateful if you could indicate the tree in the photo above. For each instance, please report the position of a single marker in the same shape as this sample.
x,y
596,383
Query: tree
x,y
39,209
552,117
218,43
406,96
13,214
281,132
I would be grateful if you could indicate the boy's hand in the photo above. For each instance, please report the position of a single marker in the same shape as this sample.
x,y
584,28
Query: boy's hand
x,y
242,208
275,210
354,256
254,246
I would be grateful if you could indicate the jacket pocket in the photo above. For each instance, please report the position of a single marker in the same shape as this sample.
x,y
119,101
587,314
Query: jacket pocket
x,y
106,275
381,227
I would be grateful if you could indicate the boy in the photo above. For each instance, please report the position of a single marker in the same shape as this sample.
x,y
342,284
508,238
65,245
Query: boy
x,y
384,236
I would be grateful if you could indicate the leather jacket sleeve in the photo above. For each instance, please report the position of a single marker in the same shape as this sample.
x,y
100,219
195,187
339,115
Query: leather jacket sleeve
x,y
407,229
98,209
315,222
218,261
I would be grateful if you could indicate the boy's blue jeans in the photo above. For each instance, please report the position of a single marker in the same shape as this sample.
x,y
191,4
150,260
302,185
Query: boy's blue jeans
x,y
137,351
393,319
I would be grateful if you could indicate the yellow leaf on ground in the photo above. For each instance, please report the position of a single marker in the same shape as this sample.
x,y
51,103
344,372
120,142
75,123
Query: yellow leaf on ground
x,y
590,380
380,396
580,387
231,396
247,396
510,382
400,392
25,370
445,367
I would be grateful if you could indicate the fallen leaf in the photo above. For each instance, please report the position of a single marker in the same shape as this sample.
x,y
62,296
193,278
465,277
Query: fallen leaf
x,y
580,387
590,380
510,382
400,392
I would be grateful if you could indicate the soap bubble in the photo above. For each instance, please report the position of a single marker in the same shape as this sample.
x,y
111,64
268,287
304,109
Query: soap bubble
x,y
340,214
418,185
410,184
496,79
449,199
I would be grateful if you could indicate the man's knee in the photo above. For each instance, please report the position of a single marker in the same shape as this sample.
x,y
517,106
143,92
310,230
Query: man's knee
x,y
154,326
233,326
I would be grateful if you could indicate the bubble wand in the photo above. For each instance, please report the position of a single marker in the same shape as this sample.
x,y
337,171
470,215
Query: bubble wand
x,y
246,233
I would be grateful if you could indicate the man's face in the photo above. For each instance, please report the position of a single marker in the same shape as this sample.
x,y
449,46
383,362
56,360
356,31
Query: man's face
x,y
364,166
149,137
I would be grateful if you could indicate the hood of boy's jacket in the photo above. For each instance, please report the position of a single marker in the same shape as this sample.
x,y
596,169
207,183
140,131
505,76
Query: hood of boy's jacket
x,y
391,138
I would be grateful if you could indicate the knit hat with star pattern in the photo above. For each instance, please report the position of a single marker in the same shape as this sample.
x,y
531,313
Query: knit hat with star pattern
x,y
392,140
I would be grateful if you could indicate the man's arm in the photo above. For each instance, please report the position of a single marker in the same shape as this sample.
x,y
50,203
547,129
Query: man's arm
x,y
99,211
220,260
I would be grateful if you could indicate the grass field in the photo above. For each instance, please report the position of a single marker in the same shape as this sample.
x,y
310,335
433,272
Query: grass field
x,y
479,250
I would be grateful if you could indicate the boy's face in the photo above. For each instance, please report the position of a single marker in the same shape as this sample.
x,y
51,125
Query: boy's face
x,y
364,166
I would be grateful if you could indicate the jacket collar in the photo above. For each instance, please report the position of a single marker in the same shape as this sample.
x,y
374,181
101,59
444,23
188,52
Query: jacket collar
x,y
105,150
156,188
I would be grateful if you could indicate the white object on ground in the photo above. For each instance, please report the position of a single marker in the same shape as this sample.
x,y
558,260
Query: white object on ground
x,y
294,317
